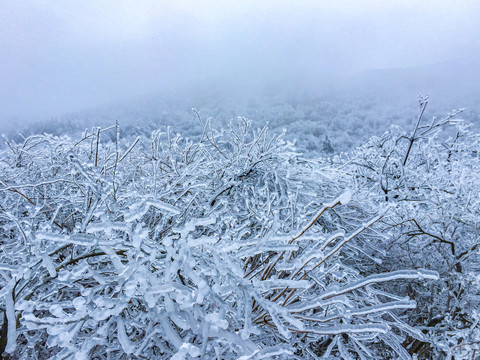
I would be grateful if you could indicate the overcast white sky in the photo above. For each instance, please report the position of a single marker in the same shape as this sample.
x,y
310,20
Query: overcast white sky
x,y
61,56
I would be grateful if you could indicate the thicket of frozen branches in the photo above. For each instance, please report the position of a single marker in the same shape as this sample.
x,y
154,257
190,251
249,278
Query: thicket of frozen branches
x,y
431,175
227,247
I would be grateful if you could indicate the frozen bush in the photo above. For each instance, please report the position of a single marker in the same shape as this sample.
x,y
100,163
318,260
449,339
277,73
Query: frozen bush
x,y
226,247
431,176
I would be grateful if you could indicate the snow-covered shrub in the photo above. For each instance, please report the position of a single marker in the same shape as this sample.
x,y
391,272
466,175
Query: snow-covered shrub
x,y
226,247
432,177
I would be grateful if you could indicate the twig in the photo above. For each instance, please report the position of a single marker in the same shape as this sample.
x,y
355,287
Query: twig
x,y
423,103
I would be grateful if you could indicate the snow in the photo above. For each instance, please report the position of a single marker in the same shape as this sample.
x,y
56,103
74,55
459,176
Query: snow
x,y
127,346
234,246
345,198
48,263
377,278
12,320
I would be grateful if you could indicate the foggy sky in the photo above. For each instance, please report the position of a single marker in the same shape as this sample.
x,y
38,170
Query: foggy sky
x,y
62,56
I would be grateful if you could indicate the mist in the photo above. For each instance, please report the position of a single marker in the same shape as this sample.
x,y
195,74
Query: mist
x,y
62,57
